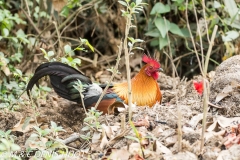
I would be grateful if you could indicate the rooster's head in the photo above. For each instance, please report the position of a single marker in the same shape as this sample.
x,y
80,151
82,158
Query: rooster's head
x,y
152,66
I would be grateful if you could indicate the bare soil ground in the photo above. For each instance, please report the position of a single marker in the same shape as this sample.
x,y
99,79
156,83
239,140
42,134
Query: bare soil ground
x,y
157,127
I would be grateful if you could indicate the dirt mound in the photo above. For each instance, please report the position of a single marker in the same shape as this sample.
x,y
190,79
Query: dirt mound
x,y
224,88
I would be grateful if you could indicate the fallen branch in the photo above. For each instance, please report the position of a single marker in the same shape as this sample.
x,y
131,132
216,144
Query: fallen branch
x,y
73,137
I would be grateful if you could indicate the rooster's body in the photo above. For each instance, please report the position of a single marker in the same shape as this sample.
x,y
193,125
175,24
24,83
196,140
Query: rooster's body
x,y
145,90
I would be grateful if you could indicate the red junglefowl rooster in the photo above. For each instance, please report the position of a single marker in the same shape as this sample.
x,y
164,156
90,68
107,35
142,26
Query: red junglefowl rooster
x,y
145,90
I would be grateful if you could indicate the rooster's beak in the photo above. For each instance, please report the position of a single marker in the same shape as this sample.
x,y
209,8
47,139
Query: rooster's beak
x,y
160,70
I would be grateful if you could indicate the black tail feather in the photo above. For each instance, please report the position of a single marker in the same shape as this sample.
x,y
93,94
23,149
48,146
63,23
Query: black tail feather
x,y
56,71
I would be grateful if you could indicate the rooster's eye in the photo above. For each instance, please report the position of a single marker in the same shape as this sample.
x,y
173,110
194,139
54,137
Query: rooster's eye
x,y
150,67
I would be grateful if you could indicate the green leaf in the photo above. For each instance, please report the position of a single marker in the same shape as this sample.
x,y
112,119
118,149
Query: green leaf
x,y
175,29
162,42
134,129
130,44
18,72
160,8
67,49
132,138
22,36
88,119
77,61
50,53
37,128
235,23
163,26
123,3
132,5
86,128
43,50
216,4
15,147
65,11
79,49
64,60
90,46
138,2
85,137
26,123
45,132
231,8
2,134
5,32
53,124
2,147
153,33
139,40
230,35
14,39
185,32
131,39
138,48
45,89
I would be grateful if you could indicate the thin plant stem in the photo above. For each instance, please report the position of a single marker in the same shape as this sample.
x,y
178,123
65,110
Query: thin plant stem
x,y
193,43
210,49
198,31
206,86
125,47
83,104
205,20
113,75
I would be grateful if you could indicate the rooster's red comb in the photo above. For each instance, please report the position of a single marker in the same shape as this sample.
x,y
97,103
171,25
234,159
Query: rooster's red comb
x,y
150,60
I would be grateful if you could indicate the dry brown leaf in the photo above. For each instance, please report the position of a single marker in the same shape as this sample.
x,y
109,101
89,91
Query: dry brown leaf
x,y
225,92
213,126
181,156
157,131
211,75
32,122
120,135
228,122
195,119
235,84
220,96
34,144
107,130
232,153
104,141
122,154
187,129
136,157
209,135
227,89
160,148
142,122
144,141
171,140
116,108
6,70
98,74
96,137
59,4
134,148
202,24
